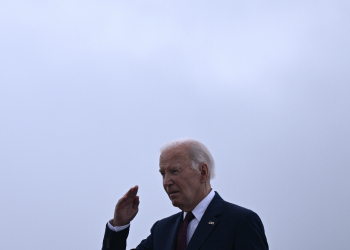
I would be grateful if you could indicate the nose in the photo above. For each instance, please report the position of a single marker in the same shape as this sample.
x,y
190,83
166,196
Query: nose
x,y
167,180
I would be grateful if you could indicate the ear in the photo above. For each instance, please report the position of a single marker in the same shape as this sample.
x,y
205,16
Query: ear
x,y
204,171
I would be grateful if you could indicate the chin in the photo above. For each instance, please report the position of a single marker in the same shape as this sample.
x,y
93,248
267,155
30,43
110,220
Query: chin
x,y
175,203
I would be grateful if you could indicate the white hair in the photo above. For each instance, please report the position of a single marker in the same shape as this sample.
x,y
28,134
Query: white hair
x,y
198,153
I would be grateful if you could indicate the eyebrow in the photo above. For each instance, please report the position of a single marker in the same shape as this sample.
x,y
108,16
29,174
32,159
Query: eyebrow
x,y
171,168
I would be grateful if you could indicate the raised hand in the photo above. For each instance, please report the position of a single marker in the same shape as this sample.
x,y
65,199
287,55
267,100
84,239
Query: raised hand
x,y
126,208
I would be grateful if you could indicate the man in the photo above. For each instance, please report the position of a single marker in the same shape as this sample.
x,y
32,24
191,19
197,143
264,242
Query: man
x,y
206,220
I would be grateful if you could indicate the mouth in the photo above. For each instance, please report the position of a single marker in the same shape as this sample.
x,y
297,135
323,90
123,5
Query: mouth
x,y
173,193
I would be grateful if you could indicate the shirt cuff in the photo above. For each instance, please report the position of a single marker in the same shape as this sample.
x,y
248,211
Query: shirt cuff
x,y
117,228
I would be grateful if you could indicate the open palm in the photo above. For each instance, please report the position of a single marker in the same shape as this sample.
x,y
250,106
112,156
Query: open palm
x,y
126,208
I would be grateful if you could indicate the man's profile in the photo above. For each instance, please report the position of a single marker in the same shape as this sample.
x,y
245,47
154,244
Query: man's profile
x,y
206,220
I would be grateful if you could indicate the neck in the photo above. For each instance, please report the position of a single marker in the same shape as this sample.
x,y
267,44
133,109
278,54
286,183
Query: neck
x,y
204,192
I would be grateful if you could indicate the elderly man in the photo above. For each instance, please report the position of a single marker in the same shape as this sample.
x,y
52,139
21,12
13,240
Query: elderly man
x,y
206,220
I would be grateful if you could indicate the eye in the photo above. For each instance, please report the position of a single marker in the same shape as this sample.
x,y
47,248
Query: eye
x,y
174,171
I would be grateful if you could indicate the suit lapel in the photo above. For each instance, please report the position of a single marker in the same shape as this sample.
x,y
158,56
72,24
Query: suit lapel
x,y
207,224
173,232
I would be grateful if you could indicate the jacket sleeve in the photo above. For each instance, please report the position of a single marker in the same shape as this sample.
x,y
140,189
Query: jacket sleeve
x,y
115,240
251,234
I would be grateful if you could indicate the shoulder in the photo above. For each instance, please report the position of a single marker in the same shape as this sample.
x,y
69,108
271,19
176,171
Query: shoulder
x,y
219,203
237,213
246,226
233,208
169,220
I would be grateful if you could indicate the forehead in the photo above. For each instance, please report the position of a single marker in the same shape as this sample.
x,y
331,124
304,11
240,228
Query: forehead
x,y
173,155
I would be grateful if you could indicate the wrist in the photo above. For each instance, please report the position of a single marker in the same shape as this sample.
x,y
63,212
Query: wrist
x,y
116,223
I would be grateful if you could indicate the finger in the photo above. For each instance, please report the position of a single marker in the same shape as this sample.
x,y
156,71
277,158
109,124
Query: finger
x,y
132,192
136,202
135,189
127,196
129,193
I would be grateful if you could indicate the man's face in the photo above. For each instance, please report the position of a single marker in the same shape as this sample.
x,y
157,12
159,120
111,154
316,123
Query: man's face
x,y
180,181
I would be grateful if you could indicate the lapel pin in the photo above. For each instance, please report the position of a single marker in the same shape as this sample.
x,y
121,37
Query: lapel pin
x,y
211,222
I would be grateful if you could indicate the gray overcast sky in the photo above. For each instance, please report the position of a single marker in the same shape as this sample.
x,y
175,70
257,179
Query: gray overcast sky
x,y
90,90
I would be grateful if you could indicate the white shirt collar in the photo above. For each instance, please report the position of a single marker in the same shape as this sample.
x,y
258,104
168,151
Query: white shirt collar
x,y
199,210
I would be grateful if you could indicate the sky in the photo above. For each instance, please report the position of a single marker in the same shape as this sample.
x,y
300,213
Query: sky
x,y
91,90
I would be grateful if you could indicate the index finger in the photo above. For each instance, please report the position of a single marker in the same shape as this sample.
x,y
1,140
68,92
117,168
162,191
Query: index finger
x,y
132,192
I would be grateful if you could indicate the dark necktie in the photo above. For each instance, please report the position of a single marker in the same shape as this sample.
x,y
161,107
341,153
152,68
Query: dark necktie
x,y
181,242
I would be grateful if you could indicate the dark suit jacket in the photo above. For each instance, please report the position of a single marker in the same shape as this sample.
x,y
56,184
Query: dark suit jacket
x,y
223,226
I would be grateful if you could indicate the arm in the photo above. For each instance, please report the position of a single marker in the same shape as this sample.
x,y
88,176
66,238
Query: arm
x,y
115,240
125,211
251,234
